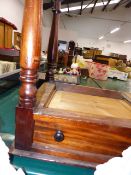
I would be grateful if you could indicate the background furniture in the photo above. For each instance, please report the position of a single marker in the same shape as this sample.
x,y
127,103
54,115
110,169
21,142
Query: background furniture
x,y
71,49
11,55
110,60
10,78
89,53
6,31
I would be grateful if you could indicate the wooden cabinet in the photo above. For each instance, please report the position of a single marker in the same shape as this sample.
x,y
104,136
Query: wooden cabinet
x,y
6,31
8,36
89,54
1,34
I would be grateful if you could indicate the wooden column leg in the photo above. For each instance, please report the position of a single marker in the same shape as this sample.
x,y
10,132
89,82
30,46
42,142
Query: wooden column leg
x,y
29,62
24,128
53,42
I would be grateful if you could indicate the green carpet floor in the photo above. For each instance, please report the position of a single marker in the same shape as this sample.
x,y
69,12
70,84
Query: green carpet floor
x,y
8,102
37,167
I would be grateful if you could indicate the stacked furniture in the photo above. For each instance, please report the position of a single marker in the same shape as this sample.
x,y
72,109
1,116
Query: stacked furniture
x,y
6,32
89,53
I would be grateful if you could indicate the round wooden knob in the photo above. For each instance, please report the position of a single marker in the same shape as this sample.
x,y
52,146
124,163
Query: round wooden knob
x,y
59,136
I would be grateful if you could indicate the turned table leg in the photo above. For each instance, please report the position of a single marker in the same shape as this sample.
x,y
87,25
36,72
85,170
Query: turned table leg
x,y
53,42
29,63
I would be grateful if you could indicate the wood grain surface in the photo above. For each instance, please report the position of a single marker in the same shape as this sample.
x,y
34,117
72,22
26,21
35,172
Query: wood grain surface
x,y
95,123
91,104
84,140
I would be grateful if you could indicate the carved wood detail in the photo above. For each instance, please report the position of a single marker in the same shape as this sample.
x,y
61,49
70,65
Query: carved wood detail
x,y
28,88
30,52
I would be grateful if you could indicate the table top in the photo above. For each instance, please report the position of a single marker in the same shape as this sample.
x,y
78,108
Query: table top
x,y
89,104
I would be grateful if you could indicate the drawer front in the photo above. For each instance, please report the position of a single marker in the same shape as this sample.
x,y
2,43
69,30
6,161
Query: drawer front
x,y
81,136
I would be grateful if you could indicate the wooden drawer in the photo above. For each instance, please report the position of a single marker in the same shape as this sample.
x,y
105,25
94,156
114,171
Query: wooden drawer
x,y
91,125
85,140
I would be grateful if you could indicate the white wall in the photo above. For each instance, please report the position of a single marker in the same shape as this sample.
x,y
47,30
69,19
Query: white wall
x,y
46,26
86,29
63,34
12,10
100,23
89,28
